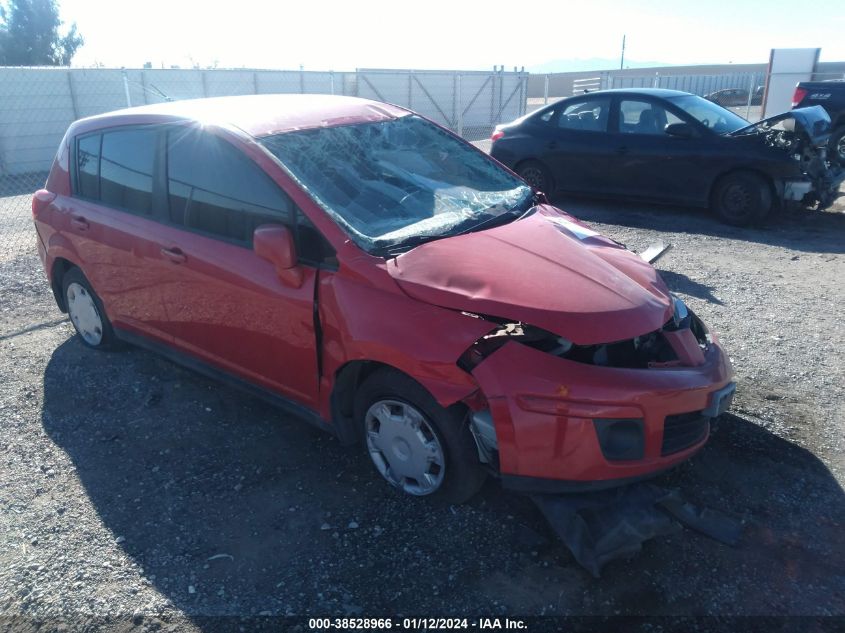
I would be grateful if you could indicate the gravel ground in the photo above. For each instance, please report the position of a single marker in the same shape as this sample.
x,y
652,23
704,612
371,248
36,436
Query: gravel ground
x,y
132,487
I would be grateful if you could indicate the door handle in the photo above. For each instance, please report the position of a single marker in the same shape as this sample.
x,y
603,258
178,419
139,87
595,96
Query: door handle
x,y
622,150
79,223
174,254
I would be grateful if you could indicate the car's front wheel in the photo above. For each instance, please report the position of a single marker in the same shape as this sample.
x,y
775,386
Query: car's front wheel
x,y
86,311
537,175
742,198
416,445
836,146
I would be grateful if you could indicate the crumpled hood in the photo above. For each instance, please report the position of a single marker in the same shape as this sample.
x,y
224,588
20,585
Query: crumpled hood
x,y
814,121
546,270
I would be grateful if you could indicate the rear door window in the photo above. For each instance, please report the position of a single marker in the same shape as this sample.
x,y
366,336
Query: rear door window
x,y
126,169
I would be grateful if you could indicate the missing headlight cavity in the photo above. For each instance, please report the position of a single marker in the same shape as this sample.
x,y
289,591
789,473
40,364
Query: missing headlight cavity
x,y
641,352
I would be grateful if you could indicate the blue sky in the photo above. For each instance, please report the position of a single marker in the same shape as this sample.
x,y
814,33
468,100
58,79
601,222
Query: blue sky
x,y
340,35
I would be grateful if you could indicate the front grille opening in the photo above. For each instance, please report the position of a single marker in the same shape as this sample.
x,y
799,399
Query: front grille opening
x,y
682,431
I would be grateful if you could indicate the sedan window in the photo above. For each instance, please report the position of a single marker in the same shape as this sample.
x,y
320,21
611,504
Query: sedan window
x,y
588,116
644,117
715,117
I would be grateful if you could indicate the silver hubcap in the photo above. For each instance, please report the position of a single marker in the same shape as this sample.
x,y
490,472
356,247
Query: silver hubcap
x,y
84,315
404,447
840,148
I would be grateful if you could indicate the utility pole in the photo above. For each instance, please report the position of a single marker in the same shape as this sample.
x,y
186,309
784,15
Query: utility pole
x,y
622,59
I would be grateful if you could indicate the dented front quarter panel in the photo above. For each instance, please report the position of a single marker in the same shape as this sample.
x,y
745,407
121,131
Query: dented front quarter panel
x,y
543,409
371,320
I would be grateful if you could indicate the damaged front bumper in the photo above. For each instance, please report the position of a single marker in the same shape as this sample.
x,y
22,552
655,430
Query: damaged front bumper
x,y
561,426
819,190
802,135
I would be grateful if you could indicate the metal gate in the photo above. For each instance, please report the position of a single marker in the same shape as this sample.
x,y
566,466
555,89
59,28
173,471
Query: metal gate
x,y
470,103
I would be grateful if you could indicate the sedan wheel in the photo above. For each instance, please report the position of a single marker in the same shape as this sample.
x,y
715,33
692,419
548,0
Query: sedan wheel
x,y
536,175
404,447
84,314
742,198
838,146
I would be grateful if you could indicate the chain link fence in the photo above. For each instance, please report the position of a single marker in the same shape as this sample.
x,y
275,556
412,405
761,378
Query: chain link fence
x,y
38,104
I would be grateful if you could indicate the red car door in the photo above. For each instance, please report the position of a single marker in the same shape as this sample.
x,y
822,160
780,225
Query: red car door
x,y
224,304
109,221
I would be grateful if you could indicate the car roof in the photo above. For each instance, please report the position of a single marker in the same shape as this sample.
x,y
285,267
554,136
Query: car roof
x,y
257,115
650,92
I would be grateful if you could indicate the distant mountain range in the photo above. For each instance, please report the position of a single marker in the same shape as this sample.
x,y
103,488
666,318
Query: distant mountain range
x,y
593,63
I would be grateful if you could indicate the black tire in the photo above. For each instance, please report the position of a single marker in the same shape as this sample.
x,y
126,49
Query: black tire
x,y
537,175
107,340
836,146
463,473
741,198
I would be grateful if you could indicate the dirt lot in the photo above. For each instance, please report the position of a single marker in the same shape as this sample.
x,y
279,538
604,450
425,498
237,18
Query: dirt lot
x,y
131,487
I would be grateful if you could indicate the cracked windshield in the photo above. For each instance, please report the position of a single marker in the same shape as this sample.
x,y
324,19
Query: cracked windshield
x,y
398,181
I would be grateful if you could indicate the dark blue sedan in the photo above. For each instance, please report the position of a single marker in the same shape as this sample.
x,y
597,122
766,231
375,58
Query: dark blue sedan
x,y
672,147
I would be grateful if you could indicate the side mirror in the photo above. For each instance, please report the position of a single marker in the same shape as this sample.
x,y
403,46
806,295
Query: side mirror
x,y
274,243
679,130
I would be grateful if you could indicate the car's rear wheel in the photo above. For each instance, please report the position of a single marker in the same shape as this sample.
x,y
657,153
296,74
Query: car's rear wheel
x,y
537,175
86,311
416,445
836,146
742,198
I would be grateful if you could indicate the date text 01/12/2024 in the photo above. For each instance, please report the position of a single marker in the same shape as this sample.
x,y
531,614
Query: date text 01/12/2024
x,y
415,624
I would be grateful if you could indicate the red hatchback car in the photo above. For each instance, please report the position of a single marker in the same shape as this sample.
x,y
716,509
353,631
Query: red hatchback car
x,y
375,274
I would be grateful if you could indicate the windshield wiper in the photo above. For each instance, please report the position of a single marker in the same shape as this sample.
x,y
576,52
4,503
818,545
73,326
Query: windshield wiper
x,y
408,243
517,213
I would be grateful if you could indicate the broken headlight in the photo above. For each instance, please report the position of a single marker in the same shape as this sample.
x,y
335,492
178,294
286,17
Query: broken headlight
x,y
641,352
680,314
508,331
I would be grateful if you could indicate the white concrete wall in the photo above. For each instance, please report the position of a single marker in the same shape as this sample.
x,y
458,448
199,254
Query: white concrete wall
x,y
38,104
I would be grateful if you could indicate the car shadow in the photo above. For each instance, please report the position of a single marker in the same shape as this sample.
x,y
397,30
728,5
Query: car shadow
x,y
232,510
807,231
679,282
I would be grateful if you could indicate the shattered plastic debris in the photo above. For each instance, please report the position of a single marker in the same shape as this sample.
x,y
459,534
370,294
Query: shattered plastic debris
x,y
655,251
607,525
